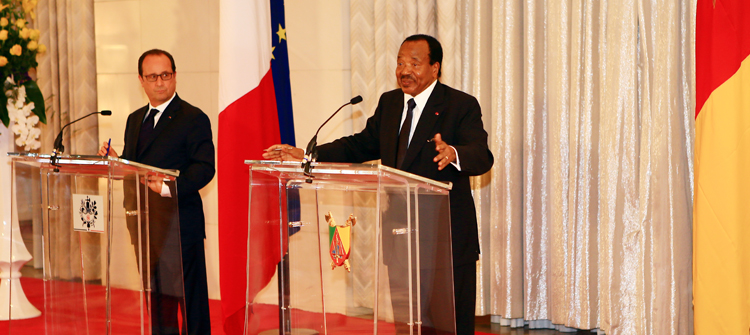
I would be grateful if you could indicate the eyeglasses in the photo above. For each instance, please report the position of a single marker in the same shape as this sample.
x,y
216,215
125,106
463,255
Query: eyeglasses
x,y
164,76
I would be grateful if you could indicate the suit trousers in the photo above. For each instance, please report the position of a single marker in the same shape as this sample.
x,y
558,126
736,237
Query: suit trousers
x,y
161,254
196,288
465,291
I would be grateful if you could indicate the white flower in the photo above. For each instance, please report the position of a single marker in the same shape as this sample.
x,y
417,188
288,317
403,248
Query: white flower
x,y
17,116
17,128
21,113
27,109
23,130
35,133
32,120
22,93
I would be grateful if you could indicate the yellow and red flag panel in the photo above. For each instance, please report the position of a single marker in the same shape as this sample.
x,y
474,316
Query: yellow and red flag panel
x,y
721,211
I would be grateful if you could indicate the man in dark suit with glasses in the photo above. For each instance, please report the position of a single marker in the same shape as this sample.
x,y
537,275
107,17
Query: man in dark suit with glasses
x,y
170,133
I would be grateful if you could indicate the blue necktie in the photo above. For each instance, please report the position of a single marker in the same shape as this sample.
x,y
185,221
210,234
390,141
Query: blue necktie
x,y
403,136
147,130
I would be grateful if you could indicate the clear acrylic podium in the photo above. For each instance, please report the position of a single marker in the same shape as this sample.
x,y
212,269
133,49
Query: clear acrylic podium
x,y
391,229
111,247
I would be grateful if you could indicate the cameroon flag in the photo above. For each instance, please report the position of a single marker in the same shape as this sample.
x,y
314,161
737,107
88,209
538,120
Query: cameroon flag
x,y
721,211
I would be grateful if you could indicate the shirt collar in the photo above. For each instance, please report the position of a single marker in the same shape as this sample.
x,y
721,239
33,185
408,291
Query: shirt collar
x,y
422,97
163,106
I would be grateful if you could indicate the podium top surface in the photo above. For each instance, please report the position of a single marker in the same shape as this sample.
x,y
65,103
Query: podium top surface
x,y
355,173
93,165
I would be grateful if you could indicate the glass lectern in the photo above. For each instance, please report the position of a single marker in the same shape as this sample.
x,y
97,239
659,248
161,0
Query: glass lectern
x,y
111,260
358,249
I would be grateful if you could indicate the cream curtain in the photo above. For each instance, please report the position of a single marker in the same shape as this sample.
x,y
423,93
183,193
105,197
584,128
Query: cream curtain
x,y
67,73
67,77
586,214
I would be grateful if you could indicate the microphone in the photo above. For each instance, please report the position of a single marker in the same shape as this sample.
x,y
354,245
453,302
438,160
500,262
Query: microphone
x,y
58,148
311,152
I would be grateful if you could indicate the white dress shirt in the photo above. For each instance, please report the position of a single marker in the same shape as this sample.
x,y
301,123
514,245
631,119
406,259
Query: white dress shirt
x,y
421,101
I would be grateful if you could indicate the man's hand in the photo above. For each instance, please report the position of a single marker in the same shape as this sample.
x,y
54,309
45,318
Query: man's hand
x,y
283,152
155,184
446,154
103,150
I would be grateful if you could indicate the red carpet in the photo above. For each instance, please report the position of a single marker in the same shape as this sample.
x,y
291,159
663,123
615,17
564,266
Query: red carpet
x,y
67,313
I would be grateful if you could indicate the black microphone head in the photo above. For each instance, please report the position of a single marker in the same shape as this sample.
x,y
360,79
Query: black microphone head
x,y
106,113
356,100
312,144
58,146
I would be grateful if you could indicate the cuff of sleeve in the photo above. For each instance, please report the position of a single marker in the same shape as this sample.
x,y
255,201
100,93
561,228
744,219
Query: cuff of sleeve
x,y
457,163
165,193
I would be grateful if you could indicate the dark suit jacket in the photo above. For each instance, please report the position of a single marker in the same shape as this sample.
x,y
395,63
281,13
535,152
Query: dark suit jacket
x,y
458,118
182,141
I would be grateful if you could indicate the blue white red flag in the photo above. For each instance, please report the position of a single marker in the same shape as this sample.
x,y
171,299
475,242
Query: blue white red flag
x,y
255,112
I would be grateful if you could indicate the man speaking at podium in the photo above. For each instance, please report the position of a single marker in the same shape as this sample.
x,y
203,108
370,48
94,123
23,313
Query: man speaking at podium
x,y
428,129
170,133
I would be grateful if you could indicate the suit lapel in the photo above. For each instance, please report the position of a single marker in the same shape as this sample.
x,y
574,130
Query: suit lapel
x,y
426,125
164,120
137,121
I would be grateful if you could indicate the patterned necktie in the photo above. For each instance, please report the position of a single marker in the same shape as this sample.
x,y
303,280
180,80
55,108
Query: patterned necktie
x,y
147,130
403,136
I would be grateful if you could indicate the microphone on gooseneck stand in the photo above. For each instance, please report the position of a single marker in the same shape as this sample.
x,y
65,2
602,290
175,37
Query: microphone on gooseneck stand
x,y
58,148
311,152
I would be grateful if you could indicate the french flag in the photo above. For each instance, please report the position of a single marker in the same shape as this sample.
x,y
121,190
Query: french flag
x,y
255,112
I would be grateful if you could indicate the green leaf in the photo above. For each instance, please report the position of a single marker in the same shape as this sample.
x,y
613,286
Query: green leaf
x,y
34,94
4,109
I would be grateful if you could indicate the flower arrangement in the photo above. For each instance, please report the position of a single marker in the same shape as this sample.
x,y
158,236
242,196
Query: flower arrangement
x,y
22,102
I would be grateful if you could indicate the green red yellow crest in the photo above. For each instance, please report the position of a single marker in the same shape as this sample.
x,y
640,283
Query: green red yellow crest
x,y
339,241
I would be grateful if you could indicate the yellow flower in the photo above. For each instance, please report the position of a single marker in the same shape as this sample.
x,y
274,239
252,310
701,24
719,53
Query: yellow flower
x,y
3,21
16,50
32,45
21,23
28,5
4,7
3,61
35,33
25,33
3,35
41,49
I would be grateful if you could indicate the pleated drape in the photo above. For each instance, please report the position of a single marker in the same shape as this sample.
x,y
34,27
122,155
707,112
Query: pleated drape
x,y
67,77
586,215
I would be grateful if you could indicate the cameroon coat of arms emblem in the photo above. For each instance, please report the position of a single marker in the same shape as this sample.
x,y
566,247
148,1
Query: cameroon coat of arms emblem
x,y
339,241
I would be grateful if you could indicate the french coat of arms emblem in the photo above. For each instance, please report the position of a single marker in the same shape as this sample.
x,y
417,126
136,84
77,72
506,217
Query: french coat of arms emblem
x,y
88,212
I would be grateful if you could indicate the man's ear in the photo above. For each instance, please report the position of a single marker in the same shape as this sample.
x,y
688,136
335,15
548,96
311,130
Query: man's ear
x,y
435,68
